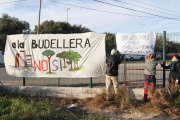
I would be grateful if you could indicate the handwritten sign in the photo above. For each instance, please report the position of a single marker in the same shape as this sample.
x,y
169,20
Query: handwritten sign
x,y
139,43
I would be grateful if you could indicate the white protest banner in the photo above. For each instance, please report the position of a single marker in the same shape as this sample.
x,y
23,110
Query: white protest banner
x,y
55,55
139,43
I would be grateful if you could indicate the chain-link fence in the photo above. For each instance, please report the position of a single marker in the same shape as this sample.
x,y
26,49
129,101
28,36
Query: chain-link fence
x,y
134,69
135,73
6,79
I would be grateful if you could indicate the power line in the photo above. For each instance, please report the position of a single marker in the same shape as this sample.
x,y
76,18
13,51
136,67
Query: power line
x,y
100,10
136,10
145,8
13,1
154,6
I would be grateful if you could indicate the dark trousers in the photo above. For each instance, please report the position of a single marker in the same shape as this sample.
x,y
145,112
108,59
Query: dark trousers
x,y
149,79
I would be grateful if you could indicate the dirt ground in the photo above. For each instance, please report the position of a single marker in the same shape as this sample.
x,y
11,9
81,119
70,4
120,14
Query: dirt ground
x,y
112,112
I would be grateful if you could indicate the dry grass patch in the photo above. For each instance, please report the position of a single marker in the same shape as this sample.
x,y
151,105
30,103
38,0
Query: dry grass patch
x,y
165,100
121,100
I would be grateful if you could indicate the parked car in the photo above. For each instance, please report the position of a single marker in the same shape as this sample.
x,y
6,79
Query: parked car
x,y
158,55
171,55
167,56
1,58
134,57
178,54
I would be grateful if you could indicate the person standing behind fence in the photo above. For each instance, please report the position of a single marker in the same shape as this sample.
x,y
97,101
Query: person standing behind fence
x,y
149,73
174,75
112,72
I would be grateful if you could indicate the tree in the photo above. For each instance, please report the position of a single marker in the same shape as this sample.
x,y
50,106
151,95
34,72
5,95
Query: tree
x,y
49,54
62,55
171,46
70,56
76,59
68,62
11,25
59,27
110,41
159,44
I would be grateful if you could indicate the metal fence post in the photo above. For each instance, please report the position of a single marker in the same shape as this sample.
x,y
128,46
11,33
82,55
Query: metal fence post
x,y
90,85
23,81
125,70
164,56
58,81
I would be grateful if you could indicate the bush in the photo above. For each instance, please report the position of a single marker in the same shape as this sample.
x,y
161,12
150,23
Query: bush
x,y
167,100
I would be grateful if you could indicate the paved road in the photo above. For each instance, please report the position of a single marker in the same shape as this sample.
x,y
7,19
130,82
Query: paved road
x,y
132,75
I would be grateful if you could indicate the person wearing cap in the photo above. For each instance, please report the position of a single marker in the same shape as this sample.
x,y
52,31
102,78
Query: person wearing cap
x,y
112,72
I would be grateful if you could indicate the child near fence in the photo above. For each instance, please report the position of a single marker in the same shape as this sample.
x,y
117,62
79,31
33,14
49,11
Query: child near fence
x,y
149,74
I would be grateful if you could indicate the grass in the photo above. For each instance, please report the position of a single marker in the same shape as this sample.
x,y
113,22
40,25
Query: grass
x,y
64,67
76,68
121,100
161,101
18,107
14,106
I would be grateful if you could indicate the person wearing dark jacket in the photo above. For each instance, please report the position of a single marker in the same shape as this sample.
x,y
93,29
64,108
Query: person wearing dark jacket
x,y
174,75
149,74
112,72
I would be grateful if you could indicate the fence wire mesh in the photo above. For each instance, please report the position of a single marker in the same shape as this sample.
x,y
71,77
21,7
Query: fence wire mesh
x,y
6,79
135,68
135,72
136,75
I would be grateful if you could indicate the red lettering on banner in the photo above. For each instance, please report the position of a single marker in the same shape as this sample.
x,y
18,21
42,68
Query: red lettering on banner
x,y
35,64
46,65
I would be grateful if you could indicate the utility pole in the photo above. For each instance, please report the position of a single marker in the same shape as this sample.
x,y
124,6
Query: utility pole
x,y
67,13
39,17
142,26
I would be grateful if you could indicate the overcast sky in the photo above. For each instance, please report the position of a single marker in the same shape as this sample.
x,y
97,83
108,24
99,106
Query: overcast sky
x,y
100,21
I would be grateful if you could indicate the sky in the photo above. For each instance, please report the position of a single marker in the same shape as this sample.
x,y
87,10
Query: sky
x,y
149,17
